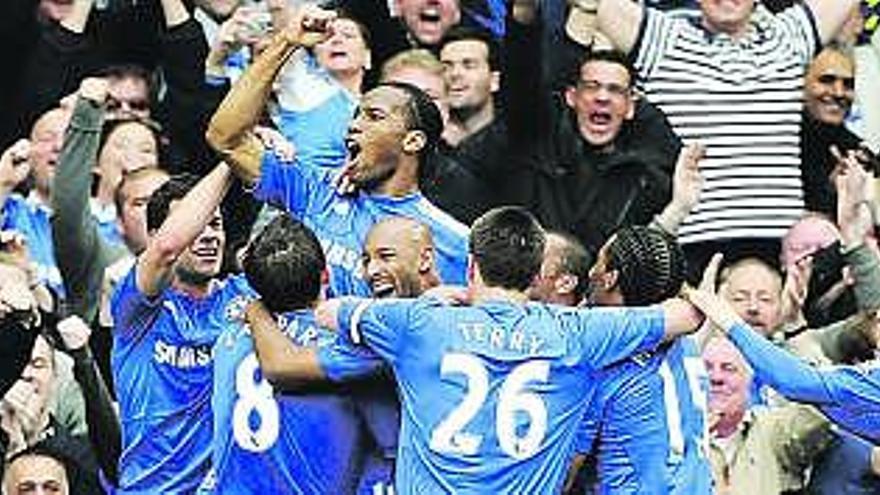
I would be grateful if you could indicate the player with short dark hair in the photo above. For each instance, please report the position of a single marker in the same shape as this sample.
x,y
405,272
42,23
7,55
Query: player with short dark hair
x,y
305,443
168,312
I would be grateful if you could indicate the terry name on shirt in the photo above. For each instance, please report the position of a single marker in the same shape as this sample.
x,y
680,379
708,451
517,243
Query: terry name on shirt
x,y
499,339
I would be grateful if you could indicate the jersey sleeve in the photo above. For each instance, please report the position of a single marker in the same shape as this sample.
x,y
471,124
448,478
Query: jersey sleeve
x,y
657,33
343,361
604,336
799,24
133,311
798,381
292,185
378,325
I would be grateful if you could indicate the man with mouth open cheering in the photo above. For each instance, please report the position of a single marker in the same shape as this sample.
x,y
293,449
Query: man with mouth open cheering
x,y
394,129
593,161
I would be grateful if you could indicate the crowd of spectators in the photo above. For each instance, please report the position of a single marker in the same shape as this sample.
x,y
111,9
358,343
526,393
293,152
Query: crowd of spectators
x,y
159,157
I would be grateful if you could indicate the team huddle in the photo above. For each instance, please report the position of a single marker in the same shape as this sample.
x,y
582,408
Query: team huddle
x,y
374,345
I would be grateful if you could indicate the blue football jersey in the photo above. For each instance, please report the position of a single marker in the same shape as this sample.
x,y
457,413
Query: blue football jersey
x,y
848,395
626,428
652,406
163,370
376,401
31,219
491,394
686,395
268,443
342,222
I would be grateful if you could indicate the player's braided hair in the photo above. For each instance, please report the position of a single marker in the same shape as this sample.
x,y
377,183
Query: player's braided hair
x,y
650,264
422,114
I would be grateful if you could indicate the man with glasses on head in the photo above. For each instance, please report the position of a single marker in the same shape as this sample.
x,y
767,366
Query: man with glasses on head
x,y
593,161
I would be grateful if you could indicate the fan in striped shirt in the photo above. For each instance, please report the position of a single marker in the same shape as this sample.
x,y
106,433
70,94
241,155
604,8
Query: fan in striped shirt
x,y
731,79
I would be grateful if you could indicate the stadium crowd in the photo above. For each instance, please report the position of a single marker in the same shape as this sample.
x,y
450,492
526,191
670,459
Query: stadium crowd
x,y
384,247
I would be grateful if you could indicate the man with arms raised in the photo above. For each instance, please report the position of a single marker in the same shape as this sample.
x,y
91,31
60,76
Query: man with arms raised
x,y
395,128
731,80
167,314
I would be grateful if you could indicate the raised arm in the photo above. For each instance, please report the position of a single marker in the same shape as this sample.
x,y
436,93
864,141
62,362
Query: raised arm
x,y
230,131
620,21
830,16
687,182
186,220
787,374
105,435
681,318
286,365
525,100
855,197
81,252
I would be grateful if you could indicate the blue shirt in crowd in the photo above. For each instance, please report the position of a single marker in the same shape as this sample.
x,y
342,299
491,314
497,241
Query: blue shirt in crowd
x,y
314,113
33,219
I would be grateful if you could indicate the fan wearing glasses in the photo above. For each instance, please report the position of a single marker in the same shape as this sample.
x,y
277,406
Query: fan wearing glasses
x,y
594,156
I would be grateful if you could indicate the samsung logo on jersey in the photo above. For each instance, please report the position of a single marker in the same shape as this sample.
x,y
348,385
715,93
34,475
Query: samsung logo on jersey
x,y
340,255
182,356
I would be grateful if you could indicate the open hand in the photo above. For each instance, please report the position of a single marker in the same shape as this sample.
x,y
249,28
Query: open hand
x,y
716,309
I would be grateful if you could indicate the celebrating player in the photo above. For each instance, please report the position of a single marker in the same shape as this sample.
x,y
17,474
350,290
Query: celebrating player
x,y
305,443
491,393
395,128
168,311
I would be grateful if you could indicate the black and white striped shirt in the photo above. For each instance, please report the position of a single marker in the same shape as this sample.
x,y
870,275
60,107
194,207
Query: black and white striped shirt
x,y
742,99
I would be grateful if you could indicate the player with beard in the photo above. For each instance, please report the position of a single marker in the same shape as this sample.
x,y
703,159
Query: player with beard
x,y
395,128
398,258
168,311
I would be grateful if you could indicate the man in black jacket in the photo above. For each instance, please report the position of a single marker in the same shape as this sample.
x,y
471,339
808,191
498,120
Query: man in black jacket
x,y
593,159
829,91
